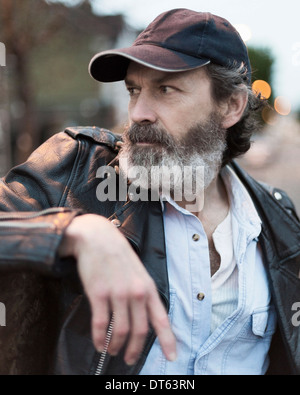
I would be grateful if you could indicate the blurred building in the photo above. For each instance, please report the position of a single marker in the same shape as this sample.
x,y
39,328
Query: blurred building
x,y
45,85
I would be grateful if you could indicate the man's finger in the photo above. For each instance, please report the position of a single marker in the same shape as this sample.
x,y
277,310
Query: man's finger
x,y
100,322
160,322
121,323
139,328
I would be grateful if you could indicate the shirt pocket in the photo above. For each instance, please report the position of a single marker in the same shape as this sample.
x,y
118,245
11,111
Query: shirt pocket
x,y
260,325
247,352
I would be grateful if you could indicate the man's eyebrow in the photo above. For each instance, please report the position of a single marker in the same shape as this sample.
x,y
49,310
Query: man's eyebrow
x,y
160,80
129,82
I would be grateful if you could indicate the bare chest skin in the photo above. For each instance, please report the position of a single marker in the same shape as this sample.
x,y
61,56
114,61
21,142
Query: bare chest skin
x,y
211,217
209,227
215,259
215,210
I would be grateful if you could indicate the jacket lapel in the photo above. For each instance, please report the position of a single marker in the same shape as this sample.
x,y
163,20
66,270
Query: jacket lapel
x,y
141,223
280,242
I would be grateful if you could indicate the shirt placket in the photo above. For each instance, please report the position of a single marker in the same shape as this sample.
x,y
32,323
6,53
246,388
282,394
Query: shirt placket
x,y
200,285
232,322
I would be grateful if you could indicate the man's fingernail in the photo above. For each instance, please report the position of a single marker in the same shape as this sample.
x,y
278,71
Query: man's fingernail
x,y
172,356
130,362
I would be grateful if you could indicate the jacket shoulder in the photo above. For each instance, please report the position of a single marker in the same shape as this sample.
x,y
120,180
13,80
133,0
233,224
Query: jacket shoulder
x,y
98,135
281,196
260,191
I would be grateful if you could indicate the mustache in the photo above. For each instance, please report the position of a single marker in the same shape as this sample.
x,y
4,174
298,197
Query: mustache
x,y
151,134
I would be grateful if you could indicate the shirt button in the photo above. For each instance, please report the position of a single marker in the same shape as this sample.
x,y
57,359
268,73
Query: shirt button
x,y
116,222
200,296
278,195
196,237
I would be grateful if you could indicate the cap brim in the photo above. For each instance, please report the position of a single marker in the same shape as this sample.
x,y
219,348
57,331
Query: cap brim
x,y
110,66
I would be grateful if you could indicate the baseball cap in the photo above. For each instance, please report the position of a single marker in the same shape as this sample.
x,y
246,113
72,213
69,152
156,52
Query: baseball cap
x,y
177,40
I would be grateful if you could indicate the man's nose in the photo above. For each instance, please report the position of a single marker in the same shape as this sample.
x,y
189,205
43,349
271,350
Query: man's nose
x,y
143,110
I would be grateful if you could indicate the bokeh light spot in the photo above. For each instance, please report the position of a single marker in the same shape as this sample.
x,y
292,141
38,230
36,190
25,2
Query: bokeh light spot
x,y
269,115
282,105
244,30
262,87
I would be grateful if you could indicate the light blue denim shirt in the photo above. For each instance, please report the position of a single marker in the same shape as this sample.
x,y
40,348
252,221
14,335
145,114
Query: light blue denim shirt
x,y
239,343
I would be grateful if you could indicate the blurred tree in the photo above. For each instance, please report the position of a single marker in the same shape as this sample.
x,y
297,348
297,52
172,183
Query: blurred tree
x,y
44,40
262,62
24,26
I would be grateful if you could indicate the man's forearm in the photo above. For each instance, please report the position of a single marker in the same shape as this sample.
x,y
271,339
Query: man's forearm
x,y
30,240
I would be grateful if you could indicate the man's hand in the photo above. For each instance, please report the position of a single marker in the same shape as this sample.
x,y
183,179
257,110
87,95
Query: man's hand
x,y
115,280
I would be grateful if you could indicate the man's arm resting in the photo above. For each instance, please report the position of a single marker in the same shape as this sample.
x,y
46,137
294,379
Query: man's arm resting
x,y
116,281
113,277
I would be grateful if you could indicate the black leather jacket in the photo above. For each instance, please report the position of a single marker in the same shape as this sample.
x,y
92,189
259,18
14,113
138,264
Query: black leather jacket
x,y
48,315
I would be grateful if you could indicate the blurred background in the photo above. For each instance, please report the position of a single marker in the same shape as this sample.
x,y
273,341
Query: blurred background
x,y
46,46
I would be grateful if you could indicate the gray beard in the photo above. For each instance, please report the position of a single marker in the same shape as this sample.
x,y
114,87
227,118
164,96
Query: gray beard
x,y
171,166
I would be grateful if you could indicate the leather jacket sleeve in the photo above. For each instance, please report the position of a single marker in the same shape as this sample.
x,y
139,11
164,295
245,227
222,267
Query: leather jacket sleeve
x,y
30,240
44,194
32,222
41,181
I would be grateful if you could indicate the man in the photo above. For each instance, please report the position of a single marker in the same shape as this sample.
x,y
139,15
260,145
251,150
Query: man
x,y
226,268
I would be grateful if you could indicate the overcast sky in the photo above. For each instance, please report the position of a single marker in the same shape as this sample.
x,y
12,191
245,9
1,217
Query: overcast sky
x,y
273,23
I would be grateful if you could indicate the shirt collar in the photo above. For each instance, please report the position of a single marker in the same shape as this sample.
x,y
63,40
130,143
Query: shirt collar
x,y
164,199
241,203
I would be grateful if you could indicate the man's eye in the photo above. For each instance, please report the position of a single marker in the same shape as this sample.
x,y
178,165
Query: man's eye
x,y
166,89
132,91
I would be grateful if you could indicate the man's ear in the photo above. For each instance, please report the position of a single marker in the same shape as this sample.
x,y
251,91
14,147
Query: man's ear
x,y
234,107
